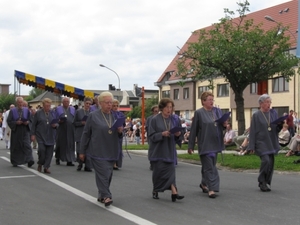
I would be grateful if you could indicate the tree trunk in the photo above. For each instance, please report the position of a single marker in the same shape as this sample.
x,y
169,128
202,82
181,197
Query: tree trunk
x,y
239,101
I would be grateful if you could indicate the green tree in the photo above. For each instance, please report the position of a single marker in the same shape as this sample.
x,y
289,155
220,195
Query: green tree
x,y
239,51
137,110
33,93
6,100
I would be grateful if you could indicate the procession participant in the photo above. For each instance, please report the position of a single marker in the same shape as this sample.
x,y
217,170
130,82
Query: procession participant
x,y
208,133
100,142
115,108
81,116
65,143
43,132
20,148
263,139
162,151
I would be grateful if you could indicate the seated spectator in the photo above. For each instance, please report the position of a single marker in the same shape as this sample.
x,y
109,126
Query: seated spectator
x,y
186,137
294,146
229,135
284,135
238,140
243,146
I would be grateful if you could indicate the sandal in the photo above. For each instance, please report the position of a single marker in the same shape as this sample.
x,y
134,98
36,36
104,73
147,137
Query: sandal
x,y
204,188
105,201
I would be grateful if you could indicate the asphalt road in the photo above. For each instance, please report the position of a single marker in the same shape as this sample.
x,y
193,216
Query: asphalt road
x,y
67,196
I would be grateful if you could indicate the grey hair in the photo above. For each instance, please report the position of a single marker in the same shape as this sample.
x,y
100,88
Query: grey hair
x,y
263,97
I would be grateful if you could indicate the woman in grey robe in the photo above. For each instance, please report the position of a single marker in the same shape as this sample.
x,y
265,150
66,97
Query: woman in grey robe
x,y
263,139
100,142
164,131
43,130
208,132
79,122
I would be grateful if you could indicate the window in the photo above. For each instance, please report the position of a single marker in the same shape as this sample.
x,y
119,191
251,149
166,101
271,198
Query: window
x,y
223,90
166,94
280,84
176,93
186,93
202,89
281,110
253,88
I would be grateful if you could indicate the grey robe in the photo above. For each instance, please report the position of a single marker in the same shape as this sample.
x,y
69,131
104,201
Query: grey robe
x,y
45,136
162,152
102,148
210,141
65,143
265,143
79,115
209,137
20,148
260,139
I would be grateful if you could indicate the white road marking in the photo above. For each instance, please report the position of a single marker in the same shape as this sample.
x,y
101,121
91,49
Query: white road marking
x,y
120,212
8,177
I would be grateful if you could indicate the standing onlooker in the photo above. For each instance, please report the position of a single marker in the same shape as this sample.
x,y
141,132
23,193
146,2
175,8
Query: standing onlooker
x,y
296,121
290,123
18,121
65,143
209,135
5,128
137,134
154,110
263,139
101,143
81,116
1,120
43,131
229,136
163,149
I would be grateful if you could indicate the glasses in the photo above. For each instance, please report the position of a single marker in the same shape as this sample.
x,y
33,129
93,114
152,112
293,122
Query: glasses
x,y
210,100
88,103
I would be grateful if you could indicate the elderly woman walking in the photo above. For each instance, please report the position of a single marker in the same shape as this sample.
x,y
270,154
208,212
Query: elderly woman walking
x,y
100,142
263,139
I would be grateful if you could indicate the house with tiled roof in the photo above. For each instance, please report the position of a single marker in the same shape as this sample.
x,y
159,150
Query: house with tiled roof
x,y
285,95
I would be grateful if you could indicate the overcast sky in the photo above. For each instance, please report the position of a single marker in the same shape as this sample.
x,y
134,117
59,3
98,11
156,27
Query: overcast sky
x,y
66,40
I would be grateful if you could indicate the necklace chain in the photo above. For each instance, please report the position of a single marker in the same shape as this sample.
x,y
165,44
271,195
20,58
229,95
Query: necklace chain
x,y
268,121
167,126
108,123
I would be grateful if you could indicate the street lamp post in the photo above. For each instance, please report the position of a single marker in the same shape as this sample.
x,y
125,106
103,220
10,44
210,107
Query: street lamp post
x,y
112,71
269,18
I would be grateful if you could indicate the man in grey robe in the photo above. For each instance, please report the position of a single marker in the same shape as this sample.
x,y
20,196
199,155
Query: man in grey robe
x,y
43,132
65,143
20,148
81,116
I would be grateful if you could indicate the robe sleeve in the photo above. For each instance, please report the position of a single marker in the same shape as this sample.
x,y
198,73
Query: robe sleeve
x,y
86,135
11,122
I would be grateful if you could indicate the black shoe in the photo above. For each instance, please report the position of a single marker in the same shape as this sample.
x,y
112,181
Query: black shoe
x,y
204,189
30,163
155,195
70,164
57,162
79,167
264,187
212,195
176,196
151,168
87,169
116,168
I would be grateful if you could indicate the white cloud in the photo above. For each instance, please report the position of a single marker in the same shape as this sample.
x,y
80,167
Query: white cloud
x,y
66,40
